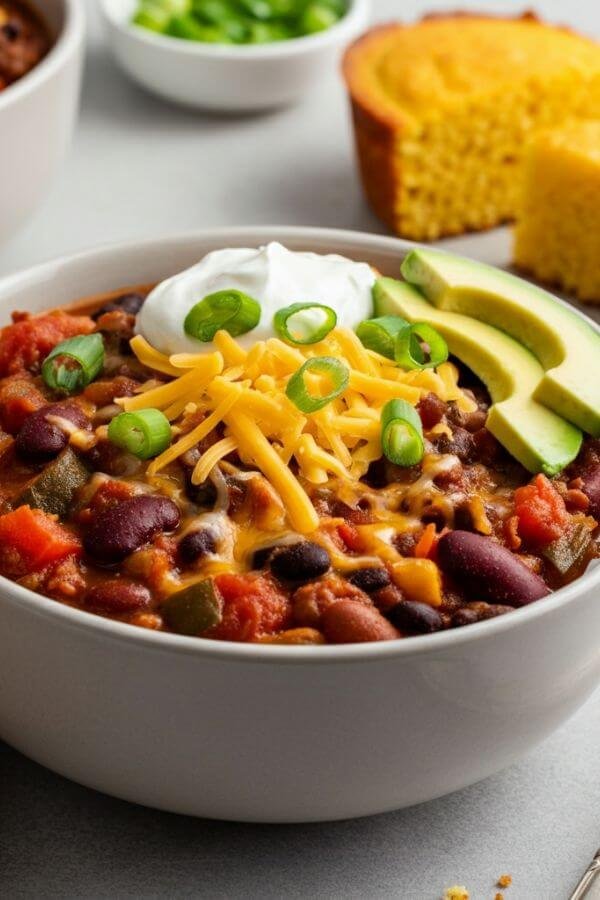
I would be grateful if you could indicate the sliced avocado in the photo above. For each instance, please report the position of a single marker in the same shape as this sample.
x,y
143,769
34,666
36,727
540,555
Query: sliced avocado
x,y
533,434
566,346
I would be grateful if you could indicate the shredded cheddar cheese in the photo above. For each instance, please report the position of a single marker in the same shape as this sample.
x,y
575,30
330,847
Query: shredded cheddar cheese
x,y
243,392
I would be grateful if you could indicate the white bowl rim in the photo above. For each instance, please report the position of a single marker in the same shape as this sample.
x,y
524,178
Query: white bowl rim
x,y
165,642
355,16
70,35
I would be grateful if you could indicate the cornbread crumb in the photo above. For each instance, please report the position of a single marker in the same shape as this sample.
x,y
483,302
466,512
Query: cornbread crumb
x,y
499,896
457,892
557,237
443,109
504,881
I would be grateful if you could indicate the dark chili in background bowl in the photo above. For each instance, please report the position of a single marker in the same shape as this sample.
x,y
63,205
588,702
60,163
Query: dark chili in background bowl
x,y
24,40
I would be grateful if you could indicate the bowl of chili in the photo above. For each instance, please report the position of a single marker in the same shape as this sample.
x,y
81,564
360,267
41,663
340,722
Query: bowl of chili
x,y
216,715
41,48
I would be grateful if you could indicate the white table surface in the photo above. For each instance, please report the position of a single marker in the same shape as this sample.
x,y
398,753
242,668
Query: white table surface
x,y
141,168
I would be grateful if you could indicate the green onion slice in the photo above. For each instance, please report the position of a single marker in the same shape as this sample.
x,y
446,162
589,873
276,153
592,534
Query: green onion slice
x,y
401,433
299,393
304,323
420,346
145,433
230,310
74,363
380,334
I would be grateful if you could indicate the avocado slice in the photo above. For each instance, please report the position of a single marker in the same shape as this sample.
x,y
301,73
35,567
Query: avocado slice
x,y
565,345
538,438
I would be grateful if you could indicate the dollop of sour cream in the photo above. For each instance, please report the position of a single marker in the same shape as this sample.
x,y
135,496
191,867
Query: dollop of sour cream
x,y
273,275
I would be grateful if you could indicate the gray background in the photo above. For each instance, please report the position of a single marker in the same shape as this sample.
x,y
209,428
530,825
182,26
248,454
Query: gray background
x,y
142,168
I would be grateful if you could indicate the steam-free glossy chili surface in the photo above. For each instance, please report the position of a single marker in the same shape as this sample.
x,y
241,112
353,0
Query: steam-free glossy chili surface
x,y
474,535
24,41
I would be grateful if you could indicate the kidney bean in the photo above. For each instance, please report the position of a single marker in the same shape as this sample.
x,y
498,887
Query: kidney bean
x,y
416,618
371,579
431,410
120,530
352,622
40,440
196,544
478,612
118,596
591,488
129,303
300,562
488,570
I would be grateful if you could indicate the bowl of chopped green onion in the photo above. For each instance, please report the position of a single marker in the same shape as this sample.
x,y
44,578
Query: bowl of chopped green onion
x,y
231,55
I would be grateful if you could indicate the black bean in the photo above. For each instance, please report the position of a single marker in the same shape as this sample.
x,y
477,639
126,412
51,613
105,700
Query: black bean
x,y
370,580
120,530
486,569
300,562
40,440
128,303
261,557
196,544
416,618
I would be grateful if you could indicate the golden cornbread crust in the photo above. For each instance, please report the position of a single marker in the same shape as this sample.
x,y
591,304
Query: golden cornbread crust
x,y
557,237
442,110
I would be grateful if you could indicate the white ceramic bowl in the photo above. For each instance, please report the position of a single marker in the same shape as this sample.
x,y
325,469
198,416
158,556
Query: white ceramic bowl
x,y
225,77
266,733
37,116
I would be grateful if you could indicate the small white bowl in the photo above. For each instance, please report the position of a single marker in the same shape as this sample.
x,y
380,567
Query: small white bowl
x,y
37,116
265,733
226,77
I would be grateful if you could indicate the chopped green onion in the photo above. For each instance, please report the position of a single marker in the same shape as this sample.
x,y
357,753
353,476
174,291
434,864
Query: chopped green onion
x,y
145,433
401,433
230,310
298,392
380,334
317,17
420,346
152,17
74,363
304,323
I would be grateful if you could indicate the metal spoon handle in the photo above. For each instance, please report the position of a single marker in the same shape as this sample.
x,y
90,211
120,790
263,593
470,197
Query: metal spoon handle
x,y
587,879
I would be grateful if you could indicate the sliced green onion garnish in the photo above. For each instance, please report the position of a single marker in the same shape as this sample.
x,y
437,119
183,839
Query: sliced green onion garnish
x,y
380,334
304,323
145,433
401,433
298,392
230,310
420,346
74,363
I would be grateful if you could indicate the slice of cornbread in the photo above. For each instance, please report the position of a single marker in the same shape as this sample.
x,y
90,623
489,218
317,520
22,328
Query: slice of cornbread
x,y
557,237
443,108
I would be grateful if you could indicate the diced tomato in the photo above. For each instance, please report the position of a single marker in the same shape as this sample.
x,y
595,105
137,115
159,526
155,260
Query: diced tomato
x,y
31,540
541,512
27,342
351,537
252,607
19,397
